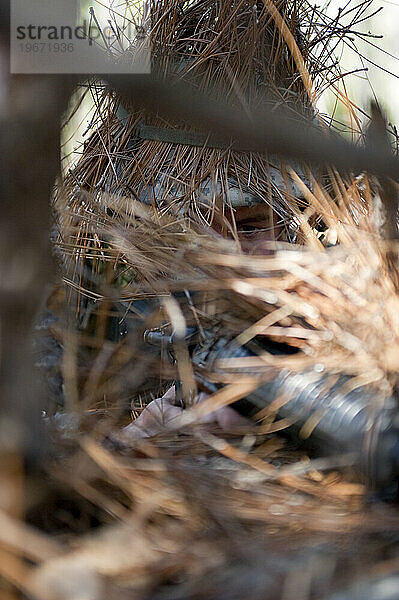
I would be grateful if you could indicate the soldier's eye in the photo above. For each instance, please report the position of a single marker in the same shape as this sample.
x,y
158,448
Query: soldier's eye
x,y
249,228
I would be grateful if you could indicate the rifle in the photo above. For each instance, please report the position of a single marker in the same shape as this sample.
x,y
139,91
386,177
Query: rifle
x,y
321,416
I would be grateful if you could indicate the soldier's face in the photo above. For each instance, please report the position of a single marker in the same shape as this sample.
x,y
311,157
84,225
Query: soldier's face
x,y
256,227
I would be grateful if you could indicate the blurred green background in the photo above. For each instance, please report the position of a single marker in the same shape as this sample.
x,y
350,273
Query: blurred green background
x,y
380,58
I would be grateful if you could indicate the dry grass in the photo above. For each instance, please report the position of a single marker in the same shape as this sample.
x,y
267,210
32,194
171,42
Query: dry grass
x,y
196,512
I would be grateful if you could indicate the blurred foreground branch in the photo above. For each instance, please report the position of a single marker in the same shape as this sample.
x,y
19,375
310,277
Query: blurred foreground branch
x,y
270,130
30,109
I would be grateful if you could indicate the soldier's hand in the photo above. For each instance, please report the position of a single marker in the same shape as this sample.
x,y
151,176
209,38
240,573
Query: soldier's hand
x,y
160,413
